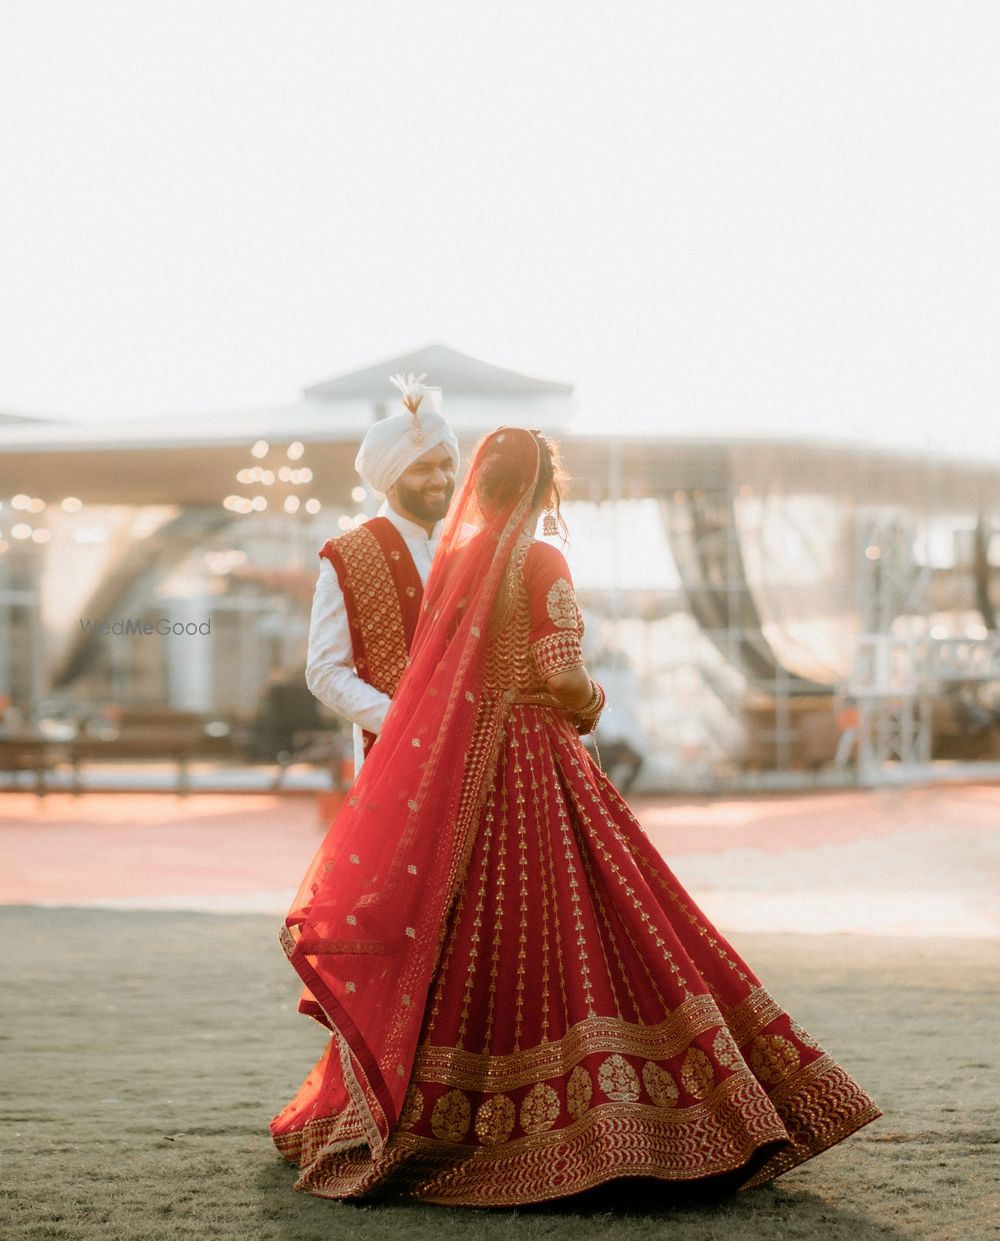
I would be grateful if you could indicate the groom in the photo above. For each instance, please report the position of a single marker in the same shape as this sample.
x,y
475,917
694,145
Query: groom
x,y
371,579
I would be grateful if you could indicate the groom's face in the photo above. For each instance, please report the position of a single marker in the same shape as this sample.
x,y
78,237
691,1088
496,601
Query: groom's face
x,y
424,490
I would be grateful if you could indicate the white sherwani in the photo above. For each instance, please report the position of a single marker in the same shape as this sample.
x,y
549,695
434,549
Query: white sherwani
x,y
330,672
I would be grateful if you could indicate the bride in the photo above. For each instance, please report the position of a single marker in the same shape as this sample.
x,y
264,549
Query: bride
x,y
523,1001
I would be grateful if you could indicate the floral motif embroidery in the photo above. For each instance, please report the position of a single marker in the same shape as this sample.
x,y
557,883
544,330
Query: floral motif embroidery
x,y
618,1079
560,603
726,1051
539,1108
495,1120
579,1090
413,1108
660,1085
773,1057
451,1116
697,1074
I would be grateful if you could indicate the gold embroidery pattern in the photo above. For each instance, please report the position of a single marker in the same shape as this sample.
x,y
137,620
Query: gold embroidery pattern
x,y
539,1108
725,1050
560,603
751,1015
697,1074
579,1091
619,1081
336,1132
660,1085
556,652
796,1081
612,1139
596,838
495,1120
413,1107
522,872
451,1066
825,1106
451,1116
512,586
508,657
804,1036
378,613
773,1057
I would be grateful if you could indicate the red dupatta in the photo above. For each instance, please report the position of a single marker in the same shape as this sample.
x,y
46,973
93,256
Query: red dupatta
x,y
364,931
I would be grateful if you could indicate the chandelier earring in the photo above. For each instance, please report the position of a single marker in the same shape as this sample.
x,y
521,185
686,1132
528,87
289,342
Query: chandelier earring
x,y
549,525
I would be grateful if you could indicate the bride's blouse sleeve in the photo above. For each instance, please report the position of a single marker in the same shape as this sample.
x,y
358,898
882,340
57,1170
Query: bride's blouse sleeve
x,y
556,623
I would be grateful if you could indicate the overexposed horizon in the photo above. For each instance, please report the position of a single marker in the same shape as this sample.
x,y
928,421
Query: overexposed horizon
x,y
777,218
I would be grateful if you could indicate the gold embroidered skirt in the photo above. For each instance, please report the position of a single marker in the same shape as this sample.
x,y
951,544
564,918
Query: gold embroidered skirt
x,y
586,1022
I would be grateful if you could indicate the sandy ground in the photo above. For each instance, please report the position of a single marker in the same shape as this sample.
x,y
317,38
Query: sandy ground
x,y
150,1029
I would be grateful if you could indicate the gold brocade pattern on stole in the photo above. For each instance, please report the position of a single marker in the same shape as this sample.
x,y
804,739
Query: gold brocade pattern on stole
x,y
378,614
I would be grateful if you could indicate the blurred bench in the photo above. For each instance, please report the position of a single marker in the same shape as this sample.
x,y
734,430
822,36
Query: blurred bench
x,y
30,751
151,734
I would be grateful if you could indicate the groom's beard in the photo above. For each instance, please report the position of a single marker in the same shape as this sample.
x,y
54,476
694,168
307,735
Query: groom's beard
x,y
425,503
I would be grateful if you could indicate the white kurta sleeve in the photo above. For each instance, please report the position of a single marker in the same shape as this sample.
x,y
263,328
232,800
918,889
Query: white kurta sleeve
x,y
330,672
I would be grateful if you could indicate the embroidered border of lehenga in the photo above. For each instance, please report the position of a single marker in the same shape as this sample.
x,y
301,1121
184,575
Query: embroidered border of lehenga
x,y
804,1113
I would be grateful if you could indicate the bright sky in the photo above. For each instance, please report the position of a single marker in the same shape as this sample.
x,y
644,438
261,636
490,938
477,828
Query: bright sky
x,y
712,217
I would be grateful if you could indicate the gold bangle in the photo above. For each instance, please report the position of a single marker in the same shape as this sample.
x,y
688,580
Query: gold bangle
x,y
596,700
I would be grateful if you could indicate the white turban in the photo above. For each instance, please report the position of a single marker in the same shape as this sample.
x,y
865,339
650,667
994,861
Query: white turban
x,y
388,447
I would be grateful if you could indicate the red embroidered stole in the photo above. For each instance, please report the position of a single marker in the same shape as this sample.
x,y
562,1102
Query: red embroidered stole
x,y
382,593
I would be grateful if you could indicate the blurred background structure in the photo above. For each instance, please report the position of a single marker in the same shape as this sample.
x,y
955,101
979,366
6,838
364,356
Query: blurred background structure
x,y
765,613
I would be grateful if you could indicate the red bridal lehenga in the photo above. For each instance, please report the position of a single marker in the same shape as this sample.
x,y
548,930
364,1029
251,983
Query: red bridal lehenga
x,y
523,1001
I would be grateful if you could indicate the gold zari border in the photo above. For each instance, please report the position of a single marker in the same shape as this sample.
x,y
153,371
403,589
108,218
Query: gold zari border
x,y
747,1018
609,1141
469,1070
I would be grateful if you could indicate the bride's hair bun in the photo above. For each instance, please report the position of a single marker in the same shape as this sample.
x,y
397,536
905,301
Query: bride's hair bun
x,y
507,468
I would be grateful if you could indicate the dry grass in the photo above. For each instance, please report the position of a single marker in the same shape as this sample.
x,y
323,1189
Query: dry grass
x,y
145,1053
